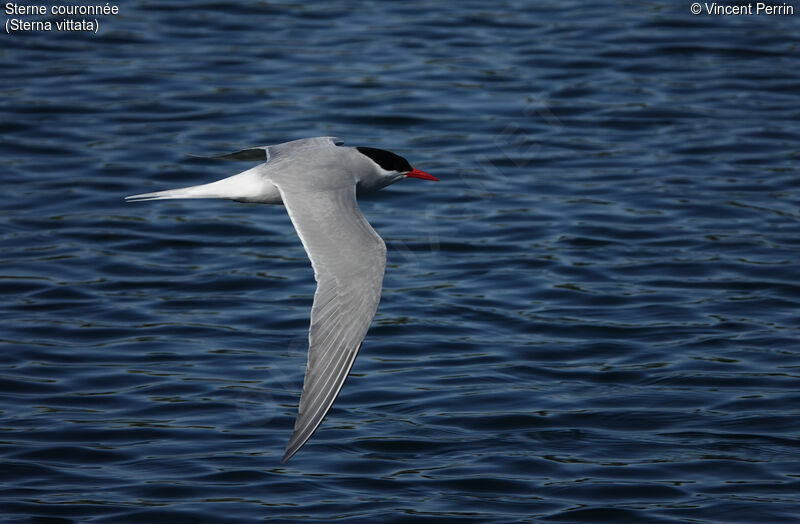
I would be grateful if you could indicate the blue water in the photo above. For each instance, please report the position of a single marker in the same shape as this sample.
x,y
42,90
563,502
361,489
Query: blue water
x,y
593,318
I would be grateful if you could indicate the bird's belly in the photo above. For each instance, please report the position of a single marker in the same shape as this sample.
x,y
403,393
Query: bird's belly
x,y
268,194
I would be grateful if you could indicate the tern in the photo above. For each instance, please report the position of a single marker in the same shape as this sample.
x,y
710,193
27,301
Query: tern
x,y
317,180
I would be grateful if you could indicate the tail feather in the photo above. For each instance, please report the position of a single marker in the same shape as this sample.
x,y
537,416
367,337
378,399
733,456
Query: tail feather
x,y
183,192
246,187
231,187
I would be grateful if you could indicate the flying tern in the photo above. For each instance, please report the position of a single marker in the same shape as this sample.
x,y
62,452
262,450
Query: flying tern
x,y
317,180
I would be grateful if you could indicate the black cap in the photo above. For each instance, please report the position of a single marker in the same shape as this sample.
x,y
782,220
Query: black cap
x,y
386,159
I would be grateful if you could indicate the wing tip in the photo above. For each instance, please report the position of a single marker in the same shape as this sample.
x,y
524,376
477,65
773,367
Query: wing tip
x,y
286,456
251,154
294,446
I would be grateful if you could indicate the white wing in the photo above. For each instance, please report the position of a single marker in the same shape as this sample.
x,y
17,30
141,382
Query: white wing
x,y
349,259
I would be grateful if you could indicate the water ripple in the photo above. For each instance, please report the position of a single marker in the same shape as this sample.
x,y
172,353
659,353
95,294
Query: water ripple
x,y
591,319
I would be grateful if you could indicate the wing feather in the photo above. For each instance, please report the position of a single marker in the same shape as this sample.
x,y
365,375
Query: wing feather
x,y
349,259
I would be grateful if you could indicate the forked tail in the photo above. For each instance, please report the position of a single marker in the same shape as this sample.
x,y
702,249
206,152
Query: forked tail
x,y
202,191
237,187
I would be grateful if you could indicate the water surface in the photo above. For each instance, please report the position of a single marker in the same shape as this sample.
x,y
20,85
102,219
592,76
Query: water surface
x,y
592,318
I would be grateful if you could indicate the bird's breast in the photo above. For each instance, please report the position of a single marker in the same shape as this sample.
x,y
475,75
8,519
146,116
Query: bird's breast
x,y
267,194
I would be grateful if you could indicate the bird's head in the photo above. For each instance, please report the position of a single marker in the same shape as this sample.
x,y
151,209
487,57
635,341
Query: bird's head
x,y
388,169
